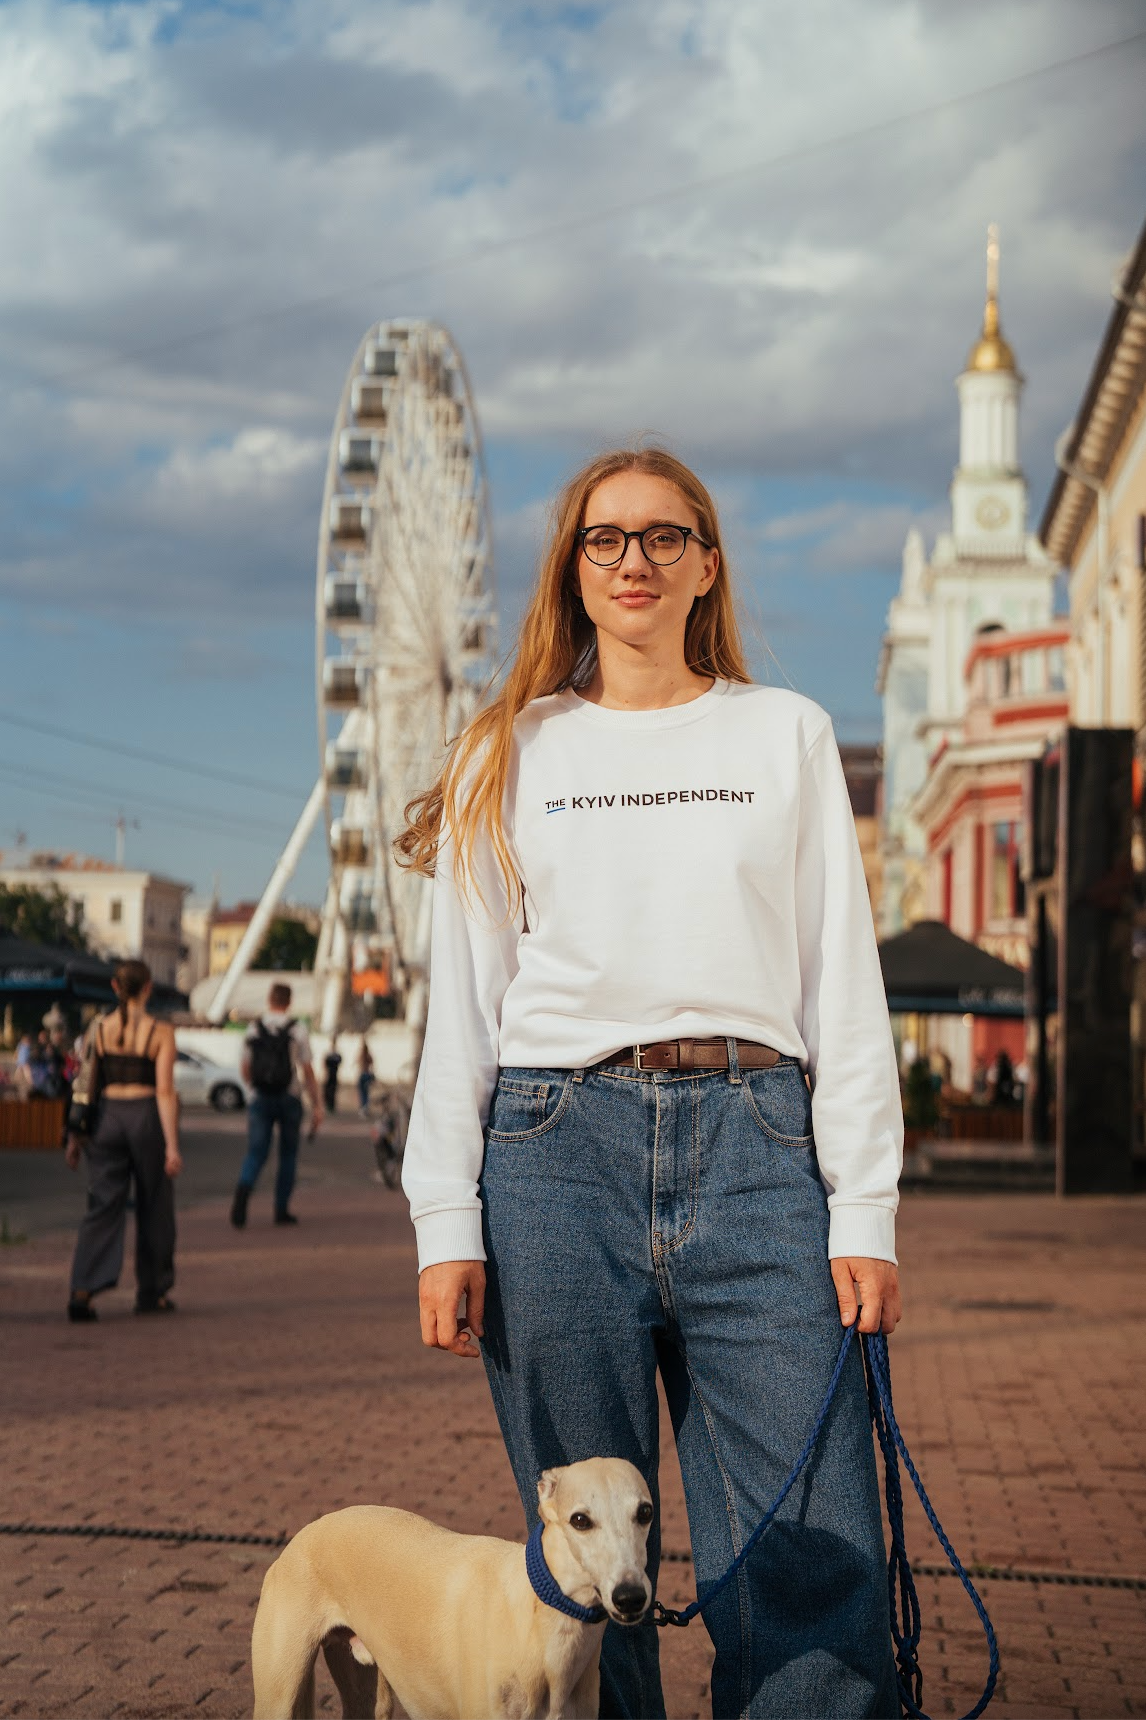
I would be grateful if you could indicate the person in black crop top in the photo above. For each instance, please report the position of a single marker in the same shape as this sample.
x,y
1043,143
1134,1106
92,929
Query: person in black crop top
x,y
135,1143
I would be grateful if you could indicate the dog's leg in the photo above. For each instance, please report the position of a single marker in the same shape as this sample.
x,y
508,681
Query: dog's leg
x,y
583,1701
365,1693
282,1656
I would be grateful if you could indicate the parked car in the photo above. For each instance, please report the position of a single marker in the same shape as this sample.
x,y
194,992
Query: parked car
x,y
198,1081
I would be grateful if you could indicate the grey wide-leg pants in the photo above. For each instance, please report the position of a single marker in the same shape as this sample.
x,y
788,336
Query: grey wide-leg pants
x,y
127,1147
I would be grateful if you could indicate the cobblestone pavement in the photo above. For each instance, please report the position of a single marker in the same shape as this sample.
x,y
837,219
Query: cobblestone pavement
x,y
291,1382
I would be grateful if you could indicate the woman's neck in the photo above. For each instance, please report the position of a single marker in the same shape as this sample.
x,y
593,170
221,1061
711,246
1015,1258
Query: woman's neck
x,y
626,680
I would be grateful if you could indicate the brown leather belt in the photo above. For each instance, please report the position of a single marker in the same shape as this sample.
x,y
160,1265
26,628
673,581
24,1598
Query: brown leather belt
x,y
691,1054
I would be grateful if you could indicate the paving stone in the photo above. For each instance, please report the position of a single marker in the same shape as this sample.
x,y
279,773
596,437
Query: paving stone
x,y
292,1382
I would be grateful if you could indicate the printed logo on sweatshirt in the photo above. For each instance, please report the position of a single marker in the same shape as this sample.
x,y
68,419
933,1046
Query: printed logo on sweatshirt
x,y
663,797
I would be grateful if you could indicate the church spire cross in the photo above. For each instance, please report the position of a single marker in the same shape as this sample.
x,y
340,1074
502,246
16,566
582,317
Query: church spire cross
x,y
991,312
991,351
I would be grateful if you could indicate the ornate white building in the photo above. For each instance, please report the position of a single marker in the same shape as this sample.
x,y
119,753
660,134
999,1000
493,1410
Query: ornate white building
x,y
987,572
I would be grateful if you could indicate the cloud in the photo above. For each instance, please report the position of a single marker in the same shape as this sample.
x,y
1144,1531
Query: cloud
x,y
227,190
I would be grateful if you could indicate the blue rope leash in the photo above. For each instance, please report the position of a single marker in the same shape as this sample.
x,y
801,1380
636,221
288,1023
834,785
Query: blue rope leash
x,y
906,1620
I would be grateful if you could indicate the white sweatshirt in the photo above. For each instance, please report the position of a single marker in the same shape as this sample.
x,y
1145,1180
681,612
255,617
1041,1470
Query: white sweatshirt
x,y
686,873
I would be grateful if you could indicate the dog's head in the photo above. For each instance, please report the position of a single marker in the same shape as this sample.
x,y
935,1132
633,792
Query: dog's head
x,y
602,1509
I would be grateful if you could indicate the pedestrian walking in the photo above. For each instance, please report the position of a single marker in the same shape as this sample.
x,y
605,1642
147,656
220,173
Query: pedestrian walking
x,y
657,1122
277,1064
331,1064
365,1077
132,1148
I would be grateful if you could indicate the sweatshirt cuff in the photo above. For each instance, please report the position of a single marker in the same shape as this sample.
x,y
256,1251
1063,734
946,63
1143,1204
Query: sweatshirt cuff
x,y
863,1232
454,1234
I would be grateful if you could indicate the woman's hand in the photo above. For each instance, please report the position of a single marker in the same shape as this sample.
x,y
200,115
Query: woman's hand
x,y
72,1152
173,1161
874,1286
440,1292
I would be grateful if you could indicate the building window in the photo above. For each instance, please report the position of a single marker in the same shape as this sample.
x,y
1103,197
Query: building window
x,y
115,910
1007,892
1032,671
1056,670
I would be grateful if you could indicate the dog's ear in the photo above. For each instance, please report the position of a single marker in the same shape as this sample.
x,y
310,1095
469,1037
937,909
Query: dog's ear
x,y
546,1488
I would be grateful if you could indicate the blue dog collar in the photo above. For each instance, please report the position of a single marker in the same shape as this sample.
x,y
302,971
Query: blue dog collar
x,y
547,1588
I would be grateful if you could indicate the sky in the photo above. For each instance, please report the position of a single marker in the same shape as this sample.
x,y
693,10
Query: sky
x,y
755,230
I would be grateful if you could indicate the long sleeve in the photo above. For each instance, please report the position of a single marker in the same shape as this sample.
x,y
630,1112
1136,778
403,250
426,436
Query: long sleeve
x,y
857,1116
472,960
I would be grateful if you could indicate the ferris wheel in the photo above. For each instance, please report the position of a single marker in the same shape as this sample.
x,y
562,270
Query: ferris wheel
x,y
406,639
406,635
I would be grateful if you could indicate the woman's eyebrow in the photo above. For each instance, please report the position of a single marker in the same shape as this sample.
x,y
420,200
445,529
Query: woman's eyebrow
x,y
616,527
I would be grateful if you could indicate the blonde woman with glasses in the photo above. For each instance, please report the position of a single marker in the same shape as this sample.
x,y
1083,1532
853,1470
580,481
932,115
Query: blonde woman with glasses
x,y
657,1126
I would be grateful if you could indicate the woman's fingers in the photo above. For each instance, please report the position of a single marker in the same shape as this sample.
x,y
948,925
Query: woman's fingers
x,y
845,1291
440,1292
873,1287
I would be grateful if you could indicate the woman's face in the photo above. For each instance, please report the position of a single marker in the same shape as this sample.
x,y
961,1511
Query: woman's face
x,y
637,601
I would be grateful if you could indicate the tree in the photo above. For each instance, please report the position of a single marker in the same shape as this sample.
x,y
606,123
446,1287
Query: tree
x,y
42,916
289,947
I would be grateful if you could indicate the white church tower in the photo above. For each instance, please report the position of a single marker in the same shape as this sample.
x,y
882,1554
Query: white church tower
x,y
987,572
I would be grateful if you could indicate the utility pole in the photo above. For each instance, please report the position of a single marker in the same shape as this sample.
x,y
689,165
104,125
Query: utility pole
x,y
121,824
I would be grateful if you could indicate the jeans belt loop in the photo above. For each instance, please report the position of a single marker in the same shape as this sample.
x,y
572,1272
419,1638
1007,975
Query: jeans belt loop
x,y
733,1062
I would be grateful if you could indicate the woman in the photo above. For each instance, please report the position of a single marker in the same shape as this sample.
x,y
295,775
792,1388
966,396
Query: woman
x,y
365,1077
650,924
136,1140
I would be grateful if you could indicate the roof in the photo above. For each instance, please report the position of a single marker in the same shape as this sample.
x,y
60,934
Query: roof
x,y
930,970
1115,386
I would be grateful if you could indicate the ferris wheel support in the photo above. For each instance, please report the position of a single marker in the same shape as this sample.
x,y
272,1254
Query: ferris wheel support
x,y
260,921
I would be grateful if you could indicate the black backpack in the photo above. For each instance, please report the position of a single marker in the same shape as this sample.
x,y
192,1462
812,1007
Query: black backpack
x,y
272,1066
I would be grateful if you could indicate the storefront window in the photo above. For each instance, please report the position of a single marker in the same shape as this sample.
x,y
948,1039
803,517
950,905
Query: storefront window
x,y
1007,894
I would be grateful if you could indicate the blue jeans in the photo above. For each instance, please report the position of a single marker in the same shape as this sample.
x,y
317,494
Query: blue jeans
x,y
640,1222
263,1112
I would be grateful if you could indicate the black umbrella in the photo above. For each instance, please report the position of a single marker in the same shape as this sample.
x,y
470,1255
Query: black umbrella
x,y
34,969
30,967
929,970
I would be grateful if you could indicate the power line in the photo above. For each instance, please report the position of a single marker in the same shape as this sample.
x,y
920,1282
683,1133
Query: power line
x,y
27,776
90,802
209,771
537,235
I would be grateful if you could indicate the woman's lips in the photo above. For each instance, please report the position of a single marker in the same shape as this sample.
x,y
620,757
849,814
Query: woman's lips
x,y
636,599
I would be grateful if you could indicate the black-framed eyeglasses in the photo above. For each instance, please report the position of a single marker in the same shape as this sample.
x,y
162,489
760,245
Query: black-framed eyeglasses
x,y
662,544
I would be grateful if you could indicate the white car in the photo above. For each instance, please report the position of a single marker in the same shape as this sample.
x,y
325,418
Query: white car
x,y
198,1081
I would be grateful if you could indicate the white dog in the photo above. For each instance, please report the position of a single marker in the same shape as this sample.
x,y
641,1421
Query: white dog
x,y
461,1626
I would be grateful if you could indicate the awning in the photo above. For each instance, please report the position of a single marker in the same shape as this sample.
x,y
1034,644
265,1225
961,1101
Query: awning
x,y
929,970
31,969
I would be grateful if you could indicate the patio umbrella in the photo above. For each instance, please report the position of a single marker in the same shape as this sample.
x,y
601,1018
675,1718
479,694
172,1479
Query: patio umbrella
x,y
47,969
929,970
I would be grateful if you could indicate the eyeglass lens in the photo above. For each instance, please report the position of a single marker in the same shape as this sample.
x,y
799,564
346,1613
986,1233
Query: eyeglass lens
x,y
663,545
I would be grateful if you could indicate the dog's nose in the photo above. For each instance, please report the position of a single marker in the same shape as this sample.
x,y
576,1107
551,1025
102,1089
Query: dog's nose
x,y
629,1598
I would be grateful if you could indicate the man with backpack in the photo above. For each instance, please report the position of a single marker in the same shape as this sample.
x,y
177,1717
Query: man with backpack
x,y
276,1063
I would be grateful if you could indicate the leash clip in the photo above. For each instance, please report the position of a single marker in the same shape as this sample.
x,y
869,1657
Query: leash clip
x,y
663,1615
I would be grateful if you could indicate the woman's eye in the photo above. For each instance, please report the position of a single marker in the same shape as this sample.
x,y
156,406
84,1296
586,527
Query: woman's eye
x,y
644,1512
580,1520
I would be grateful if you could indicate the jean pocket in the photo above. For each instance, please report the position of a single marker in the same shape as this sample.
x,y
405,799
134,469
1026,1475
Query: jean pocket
x,y
780,1103
524,1107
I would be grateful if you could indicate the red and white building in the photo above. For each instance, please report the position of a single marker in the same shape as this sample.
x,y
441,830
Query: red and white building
x,y
970,811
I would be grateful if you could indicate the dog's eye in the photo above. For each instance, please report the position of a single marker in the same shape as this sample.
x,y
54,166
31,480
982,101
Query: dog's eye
x,y
581,1520
644,1512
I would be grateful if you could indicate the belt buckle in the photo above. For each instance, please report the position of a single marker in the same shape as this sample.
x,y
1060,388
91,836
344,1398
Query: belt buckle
x,y
663,1061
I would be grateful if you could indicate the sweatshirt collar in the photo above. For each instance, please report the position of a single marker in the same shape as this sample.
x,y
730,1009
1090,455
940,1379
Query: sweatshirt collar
x,y
666,717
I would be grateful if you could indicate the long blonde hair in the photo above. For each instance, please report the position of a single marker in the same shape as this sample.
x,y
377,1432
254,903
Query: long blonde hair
x,y
556,650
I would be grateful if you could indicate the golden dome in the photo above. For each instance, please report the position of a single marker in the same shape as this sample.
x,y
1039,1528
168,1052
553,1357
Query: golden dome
x,y
991,351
